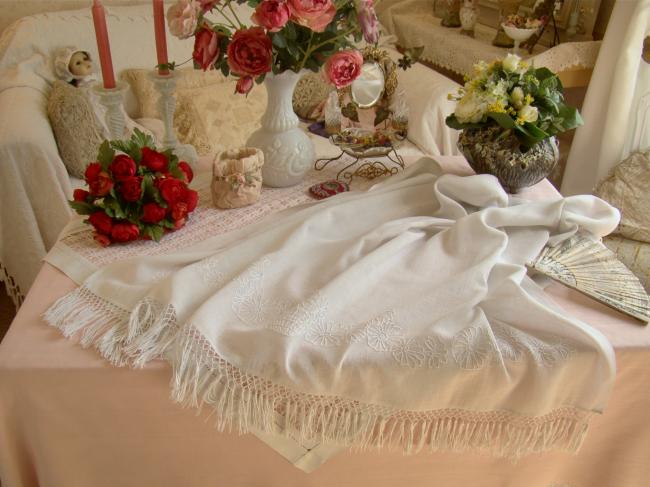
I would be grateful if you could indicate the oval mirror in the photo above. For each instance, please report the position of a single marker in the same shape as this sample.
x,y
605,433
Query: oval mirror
x,y
369,86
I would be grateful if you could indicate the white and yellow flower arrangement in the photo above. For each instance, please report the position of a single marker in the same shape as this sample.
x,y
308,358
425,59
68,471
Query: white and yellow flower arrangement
x,y
522,100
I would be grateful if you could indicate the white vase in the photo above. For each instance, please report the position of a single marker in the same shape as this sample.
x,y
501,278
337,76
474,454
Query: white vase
x,y
288,151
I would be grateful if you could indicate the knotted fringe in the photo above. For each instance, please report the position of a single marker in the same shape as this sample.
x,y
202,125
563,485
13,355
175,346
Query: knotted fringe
x,y
245,402
122,337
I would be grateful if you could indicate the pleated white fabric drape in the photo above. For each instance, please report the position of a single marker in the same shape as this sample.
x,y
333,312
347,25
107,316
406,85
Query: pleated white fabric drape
x,y
617,104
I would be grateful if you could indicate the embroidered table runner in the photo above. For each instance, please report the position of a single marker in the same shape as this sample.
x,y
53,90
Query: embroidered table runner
x,y
401,316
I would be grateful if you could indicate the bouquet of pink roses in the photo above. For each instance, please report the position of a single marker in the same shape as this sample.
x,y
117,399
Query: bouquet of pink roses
x,y
286,35
135,192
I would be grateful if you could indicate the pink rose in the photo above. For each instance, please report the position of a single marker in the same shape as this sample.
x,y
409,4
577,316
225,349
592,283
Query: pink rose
x,y
271,14
183,17
244,85
206,48
315,14
343,67
368,21
250,52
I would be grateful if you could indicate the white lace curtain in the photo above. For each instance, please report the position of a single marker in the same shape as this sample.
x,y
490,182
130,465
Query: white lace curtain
x,y
617,104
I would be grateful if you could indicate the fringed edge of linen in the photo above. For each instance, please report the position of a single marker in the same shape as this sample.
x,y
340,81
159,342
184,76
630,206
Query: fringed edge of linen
x,y
246,402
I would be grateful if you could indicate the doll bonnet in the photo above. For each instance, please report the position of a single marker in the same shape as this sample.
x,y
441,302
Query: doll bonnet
x,y
62,61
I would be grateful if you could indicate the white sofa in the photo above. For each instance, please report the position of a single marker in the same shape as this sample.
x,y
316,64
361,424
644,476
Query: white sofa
x,y
34,184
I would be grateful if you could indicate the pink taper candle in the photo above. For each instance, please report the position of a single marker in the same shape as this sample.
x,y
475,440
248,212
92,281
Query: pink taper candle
x,y
104,48
161,37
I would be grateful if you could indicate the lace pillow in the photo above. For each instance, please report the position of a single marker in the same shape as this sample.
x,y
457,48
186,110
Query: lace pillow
x,y
626,188
144,90
214,118
77,131
309,96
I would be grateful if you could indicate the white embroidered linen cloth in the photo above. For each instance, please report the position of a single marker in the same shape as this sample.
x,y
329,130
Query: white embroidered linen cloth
x,y
401,316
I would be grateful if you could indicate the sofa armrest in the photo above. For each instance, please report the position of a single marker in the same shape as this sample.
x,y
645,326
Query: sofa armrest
x,y
426,96
34,184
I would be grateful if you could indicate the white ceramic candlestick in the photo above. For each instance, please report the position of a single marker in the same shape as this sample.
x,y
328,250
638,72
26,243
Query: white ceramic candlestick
x,y
111,98
166,84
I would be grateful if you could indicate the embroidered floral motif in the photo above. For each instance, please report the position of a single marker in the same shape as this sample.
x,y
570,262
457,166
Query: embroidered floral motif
x,y
210,271
509,343
435,352
324,335
409,353
160,276
471,348
382,334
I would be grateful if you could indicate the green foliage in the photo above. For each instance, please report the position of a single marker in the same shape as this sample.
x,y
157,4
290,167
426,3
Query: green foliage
x,y
83,208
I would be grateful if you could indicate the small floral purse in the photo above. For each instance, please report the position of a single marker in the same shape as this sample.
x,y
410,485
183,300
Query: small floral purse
x,y
237,177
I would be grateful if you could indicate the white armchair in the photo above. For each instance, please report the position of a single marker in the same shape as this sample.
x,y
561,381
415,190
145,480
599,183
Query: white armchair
x,y
34,184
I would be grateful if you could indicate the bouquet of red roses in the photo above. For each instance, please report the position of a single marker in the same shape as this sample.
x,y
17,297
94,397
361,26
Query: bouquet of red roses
x,y
135,192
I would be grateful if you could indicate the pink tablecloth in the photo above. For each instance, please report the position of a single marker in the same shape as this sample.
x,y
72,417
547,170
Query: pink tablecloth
x,y
67,418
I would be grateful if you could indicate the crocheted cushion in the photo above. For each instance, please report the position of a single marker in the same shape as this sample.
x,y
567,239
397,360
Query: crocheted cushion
x,y
214,118
310,95
77,131
144,90
626,188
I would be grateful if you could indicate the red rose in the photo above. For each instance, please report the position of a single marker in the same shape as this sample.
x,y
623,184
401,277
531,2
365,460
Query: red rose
x,y
207,5
191,199
185,167
152,213
92,171
153,160
103,240
244,85
131,188
102,184
124,232
122,167
102,222
80,195
206,48
271,14
178,224
250,52
315,14
172,190
179,210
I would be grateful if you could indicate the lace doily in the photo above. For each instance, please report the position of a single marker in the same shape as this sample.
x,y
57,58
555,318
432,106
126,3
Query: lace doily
x,y
449,49
206,221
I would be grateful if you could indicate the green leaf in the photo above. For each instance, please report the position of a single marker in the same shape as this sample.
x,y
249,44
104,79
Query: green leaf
x,y
140,139
453,123
381,115
571,116
167,224
105,155
503,119
225,69
279,40
113,206
83,208
155,232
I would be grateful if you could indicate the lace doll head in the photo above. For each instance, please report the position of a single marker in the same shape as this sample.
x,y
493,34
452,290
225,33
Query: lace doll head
x,y
74,66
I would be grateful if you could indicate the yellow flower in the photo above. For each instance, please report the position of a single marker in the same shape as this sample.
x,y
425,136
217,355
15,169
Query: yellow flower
x,y
497,107
528,99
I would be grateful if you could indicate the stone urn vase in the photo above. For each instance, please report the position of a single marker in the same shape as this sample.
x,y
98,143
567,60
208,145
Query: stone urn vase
x,y
288,152
489,152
